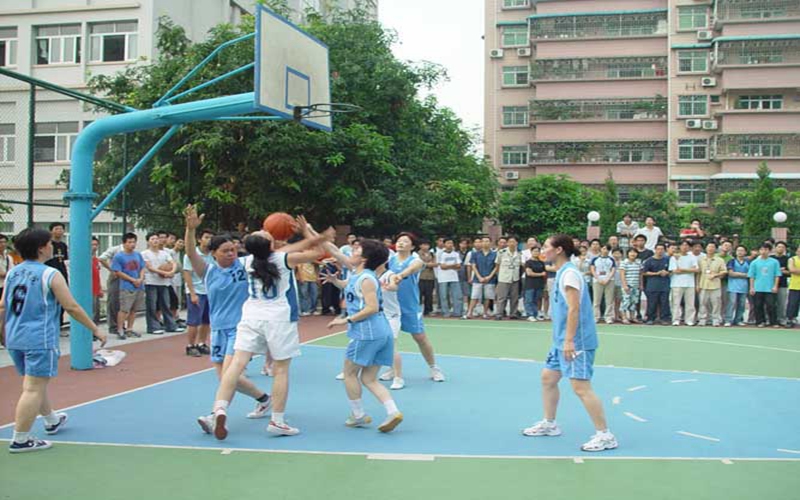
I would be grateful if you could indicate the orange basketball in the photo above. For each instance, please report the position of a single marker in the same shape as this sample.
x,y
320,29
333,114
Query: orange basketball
x,y
280,225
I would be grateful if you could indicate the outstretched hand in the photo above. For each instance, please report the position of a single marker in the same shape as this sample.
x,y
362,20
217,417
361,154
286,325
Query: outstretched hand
x,y
193,221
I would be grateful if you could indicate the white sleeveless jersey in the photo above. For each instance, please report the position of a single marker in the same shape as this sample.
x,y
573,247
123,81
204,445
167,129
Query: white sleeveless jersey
x,y
391,304
276,303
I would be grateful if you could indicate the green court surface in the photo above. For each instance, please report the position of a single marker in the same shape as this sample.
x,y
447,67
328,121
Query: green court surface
x,y
77,471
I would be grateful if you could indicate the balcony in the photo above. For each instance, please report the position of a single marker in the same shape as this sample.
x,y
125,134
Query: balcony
x,y
619,24
598,153
756,147
757,51
611,68
599,110
750,11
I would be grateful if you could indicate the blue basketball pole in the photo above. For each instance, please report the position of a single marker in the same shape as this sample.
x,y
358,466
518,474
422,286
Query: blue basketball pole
x,y
81,194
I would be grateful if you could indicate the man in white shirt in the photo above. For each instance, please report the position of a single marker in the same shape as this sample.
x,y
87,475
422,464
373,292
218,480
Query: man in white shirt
x,y
449,261
159,270
507,266
684,268
436,252
651,232
626,230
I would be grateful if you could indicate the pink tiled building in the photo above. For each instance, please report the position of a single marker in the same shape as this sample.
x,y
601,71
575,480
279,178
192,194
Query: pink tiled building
x,y
688,95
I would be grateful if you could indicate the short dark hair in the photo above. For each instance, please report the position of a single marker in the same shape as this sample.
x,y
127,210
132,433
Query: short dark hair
x,y
565,242
742,246
449,239
631,249
607,247
597,240
627,215
408,235
351,234
661,244
766,245
150,235
29,241
54,225
95,238
160,232
207,231
423,241
129,236
375,253
782,243
640,237
219,240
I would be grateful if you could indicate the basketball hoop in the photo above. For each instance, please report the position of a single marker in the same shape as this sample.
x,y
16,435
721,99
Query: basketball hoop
x,y
324,110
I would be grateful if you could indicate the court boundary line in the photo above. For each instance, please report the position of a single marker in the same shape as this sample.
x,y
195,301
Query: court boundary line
x,y
365,454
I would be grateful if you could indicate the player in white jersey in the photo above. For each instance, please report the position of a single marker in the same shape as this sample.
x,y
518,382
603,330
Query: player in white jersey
x,y
269,321
391,309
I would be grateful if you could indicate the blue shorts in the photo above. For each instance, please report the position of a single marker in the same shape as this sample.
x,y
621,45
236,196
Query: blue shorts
x,y
36,362
411,322
581,368
371,352
222,344
197,314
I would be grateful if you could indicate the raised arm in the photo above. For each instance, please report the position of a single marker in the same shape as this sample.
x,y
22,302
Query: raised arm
x,y
193,221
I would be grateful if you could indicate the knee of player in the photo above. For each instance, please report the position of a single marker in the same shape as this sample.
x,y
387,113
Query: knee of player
x,y
550,378
582,388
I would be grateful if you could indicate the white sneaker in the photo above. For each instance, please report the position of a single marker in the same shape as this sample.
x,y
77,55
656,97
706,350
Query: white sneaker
x,y
397,384
689,324
363,421
387,375
261,410
727,324
340,376
437,375
206,422
282,429
532,319
676,323
600,442
391,422
62,421
220,430
266,371
542,428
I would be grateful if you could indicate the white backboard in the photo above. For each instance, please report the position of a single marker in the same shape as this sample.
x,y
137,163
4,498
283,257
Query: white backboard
x,y
291,70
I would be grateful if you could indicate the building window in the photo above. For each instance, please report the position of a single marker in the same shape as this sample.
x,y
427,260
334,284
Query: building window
x,y
8,46
692,105
515,76
631,155
515,116
692,192
759,102
516,4
515,156
692,17
515,36
7,144
771,148
762,11
53,141
692,149
113,41
58,44
692,61
109,234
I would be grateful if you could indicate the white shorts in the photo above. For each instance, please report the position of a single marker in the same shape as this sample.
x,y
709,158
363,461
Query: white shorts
x,y
280,338
394,322
483,291
550,283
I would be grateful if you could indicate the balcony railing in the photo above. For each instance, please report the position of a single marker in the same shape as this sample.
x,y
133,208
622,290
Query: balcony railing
x,y
755,146
543,153
618,25
599,109
610,68
756,10
758,52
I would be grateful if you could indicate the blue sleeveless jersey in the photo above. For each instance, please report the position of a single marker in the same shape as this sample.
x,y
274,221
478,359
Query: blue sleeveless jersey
x,y
586,335
408,291
227,290
32,311
374,327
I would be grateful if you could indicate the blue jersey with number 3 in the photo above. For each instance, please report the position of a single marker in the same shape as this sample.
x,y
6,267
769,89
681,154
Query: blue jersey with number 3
x,y
227,290
32,311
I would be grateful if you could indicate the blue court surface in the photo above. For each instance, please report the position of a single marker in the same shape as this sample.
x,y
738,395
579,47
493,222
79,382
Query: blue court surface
x,y
479,411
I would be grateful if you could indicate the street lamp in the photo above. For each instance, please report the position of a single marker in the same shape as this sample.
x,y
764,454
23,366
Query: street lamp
x,y
592,232
780,233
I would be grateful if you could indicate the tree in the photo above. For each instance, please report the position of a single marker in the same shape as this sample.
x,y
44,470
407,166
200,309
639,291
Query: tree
x,y
611,211
401,162
761,205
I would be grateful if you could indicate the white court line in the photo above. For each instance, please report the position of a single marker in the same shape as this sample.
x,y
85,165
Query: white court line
x,y
634,417
577,460
698,436
727,462
617,400
637,388
438,455
749,378
783,450
401,457
174,379
521,360
309,342
684,381
226,451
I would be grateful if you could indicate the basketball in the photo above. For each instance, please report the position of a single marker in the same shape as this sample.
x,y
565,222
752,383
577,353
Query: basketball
x,y
280,225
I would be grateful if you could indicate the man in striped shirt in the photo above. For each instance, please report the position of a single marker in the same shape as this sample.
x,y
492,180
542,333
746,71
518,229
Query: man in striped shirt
x,y
630,270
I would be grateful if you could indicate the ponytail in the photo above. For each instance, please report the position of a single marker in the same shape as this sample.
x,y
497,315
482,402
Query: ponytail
x,y
261,250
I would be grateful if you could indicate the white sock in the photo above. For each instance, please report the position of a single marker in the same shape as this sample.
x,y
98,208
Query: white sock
x,y
357,406
604,432
51,419
391,407
551,422
221,405
21,437
277,417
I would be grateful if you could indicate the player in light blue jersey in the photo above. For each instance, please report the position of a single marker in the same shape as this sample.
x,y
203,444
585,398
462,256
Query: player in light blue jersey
x,y
371,339
30,311
226,286
574,346
406,267
269,321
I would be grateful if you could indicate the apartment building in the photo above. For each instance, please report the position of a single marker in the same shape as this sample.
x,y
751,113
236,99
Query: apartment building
x,y
688,95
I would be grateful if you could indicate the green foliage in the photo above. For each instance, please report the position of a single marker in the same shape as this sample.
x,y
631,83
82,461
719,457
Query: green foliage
x,y
610,209
761,204
401,162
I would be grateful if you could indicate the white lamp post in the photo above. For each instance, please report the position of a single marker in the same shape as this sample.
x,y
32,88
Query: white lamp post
x,y
780,233
592,231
